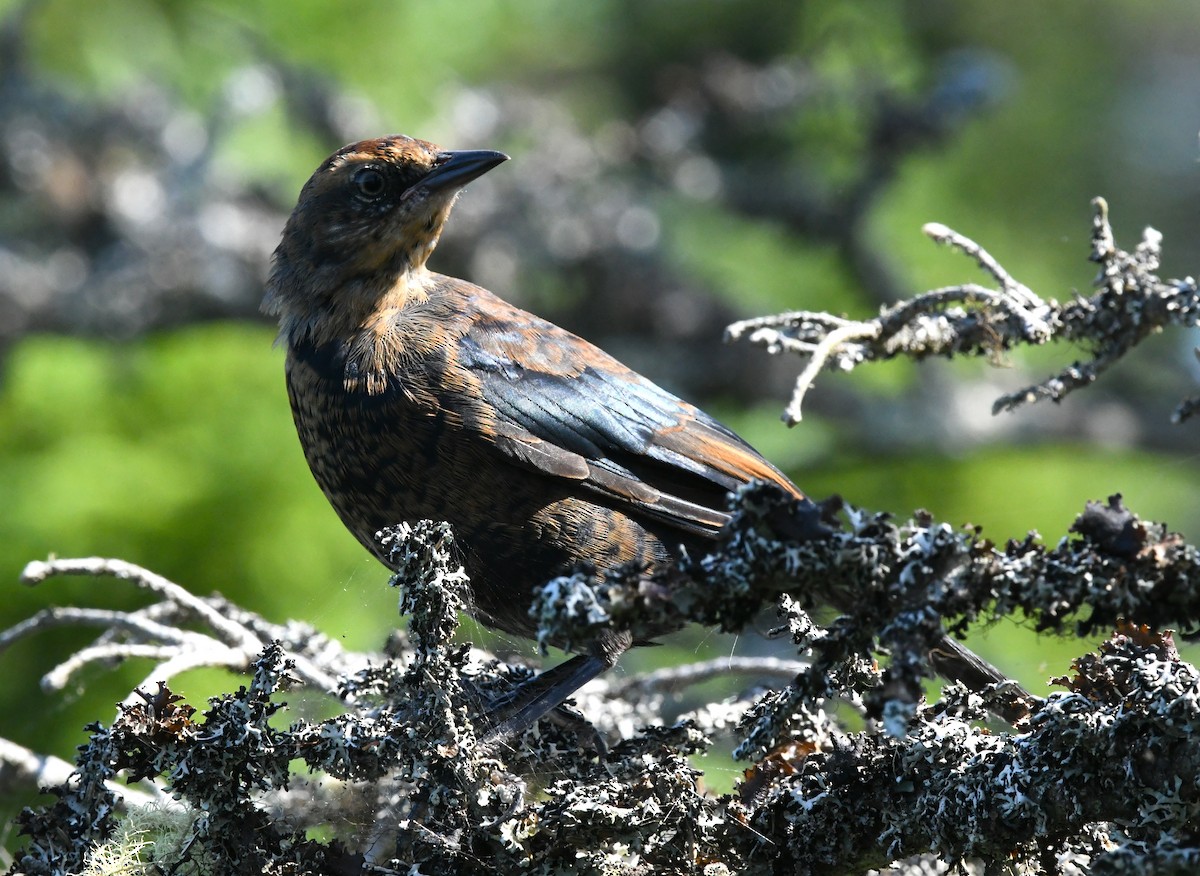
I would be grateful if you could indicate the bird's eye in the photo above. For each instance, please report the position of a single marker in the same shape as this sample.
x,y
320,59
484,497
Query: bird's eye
x,y
369,182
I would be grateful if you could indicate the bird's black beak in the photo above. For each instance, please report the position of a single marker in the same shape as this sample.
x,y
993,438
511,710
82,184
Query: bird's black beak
x,y
453,170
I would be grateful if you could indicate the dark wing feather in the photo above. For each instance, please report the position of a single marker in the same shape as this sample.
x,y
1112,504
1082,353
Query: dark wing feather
x,y
566,408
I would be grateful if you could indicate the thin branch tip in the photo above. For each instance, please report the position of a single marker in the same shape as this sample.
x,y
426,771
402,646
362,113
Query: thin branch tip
x,y
1131,302
35,572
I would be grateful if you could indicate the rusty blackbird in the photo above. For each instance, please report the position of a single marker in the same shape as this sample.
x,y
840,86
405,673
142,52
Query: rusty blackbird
x,y
421,396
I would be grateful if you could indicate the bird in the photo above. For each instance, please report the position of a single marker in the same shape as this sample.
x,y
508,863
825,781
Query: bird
x,y
418,396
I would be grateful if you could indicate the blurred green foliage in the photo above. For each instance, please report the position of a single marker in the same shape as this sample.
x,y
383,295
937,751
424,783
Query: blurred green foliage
x,y
177,451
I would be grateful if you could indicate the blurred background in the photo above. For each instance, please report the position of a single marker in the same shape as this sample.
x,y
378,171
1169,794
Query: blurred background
x,y
675,166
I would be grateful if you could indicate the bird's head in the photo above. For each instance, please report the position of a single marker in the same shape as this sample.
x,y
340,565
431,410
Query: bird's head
x,y
367,218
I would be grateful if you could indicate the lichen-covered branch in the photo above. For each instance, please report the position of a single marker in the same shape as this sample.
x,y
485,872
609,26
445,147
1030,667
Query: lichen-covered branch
x,y
1117,749
905,581
1102,775
1129,304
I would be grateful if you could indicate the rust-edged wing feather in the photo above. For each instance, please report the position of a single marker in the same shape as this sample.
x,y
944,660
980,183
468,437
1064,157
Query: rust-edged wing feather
x,y
567,409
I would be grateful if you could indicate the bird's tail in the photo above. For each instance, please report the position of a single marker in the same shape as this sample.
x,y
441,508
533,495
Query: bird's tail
x,y
954,661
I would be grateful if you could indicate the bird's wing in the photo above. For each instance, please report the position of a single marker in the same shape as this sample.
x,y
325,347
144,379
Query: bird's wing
x,y
567,409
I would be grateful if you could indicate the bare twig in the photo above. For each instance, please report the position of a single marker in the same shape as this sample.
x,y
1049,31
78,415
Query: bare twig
x,y
1018,291
39,571
22,768
675,677
237,636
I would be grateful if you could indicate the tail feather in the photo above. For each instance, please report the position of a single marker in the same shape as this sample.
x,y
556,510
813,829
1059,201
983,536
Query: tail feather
x,y
954,661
